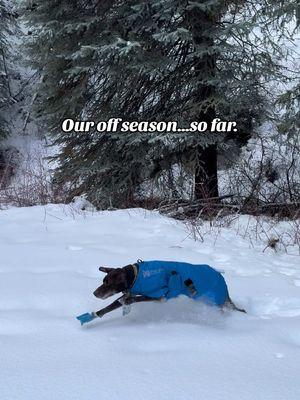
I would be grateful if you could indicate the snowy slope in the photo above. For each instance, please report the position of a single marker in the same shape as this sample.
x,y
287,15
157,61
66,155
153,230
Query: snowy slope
x,y
180,350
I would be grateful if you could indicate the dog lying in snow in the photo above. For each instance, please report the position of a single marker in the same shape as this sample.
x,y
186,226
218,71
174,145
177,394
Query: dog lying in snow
x,y
161,280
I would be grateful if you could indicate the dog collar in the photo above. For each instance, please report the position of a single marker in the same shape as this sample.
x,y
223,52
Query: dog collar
x,y
135,271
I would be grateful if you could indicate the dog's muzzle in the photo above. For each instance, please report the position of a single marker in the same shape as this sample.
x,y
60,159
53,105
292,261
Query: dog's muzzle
x,y
102,294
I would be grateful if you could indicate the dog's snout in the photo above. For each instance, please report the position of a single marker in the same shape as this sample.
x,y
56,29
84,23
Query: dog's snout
x,y
97,293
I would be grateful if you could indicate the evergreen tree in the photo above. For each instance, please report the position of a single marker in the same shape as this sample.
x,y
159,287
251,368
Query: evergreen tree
x,y
155,60
57,32
290,102
289,127
4,85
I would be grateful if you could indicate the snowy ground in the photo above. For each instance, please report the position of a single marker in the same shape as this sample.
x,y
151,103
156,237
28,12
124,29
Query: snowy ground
x,y
179,350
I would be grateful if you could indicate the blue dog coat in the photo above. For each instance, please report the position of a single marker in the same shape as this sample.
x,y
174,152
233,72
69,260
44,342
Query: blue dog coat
x,y
169,279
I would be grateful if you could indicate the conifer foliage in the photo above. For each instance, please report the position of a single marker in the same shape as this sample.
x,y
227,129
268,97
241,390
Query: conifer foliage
x,y
4,86
156,60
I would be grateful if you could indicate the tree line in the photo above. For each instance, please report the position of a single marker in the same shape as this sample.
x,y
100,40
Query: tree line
x,y
156,60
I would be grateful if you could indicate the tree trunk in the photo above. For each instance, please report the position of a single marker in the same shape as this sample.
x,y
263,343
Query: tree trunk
x,y
201,24
206,178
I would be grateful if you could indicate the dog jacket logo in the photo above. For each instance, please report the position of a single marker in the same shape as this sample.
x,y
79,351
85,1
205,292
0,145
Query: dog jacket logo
x,y
148,273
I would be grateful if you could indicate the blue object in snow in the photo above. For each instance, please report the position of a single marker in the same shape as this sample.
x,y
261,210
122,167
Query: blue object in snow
x,y
87,317
169,279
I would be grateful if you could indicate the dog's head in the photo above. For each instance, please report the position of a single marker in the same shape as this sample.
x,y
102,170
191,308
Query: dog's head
x,y
114,282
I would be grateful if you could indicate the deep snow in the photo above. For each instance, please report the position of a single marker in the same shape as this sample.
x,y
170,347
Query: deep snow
x,y
179,350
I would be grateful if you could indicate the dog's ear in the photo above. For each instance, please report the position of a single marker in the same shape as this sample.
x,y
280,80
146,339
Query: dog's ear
x,y
105,269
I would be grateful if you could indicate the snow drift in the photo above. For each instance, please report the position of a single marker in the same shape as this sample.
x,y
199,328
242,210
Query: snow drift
x,y
180,350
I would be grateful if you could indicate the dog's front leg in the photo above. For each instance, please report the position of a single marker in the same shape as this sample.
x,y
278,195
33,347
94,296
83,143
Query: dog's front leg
x,y
113,306
127,300
139,299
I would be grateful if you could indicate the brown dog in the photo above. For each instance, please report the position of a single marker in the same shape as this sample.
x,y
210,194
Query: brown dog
x,y
121,280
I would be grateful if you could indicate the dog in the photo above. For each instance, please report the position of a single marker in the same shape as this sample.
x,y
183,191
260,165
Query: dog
x,y
163,280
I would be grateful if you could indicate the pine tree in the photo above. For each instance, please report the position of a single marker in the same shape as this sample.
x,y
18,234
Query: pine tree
x,y
67,41
4,85
289,128
155,60
57,32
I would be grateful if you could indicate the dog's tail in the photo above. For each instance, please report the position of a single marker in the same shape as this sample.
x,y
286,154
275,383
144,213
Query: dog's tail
x,y
230,304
